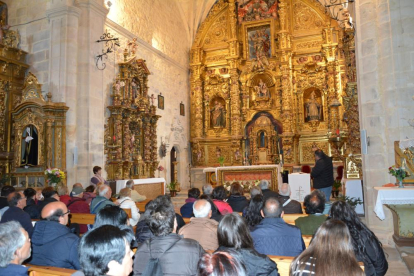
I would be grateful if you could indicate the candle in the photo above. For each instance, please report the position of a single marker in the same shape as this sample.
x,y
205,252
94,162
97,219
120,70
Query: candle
x,y
337,131
114,138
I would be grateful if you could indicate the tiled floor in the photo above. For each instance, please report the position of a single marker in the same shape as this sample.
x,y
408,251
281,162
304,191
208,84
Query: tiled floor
x,y
396,266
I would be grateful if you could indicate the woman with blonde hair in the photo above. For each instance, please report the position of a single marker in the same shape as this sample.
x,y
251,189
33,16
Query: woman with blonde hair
x,y
330,253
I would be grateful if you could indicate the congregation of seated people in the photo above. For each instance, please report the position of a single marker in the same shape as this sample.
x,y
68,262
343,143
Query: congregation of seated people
x,y
227,233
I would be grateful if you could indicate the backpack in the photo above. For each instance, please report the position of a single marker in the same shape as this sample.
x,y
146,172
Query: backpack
x,y
154,267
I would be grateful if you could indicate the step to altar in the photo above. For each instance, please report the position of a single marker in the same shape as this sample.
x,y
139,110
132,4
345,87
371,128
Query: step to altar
x,y
179,200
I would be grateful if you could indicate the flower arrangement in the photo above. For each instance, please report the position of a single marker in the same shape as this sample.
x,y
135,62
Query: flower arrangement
x,y
54,176
399,173
221,160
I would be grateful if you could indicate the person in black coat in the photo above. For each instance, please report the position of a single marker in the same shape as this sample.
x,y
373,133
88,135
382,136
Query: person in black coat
x,y
290,206
233,233
367,247
5,191
31,206
236,199
264,185
49,195
322,173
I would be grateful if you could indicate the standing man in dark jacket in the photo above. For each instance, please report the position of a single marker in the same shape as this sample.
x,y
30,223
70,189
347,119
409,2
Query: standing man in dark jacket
x,y
273,236
52,242
177,255
322,173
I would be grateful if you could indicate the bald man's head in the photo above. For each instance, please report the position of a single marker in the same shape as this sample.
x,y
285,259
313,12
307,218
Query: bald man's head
x,y
272,208
56,211
202,209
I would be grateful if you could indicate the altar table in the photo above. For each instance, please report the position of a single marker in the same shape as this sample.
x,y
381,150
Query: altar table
x,y
250,174
401,203
150,187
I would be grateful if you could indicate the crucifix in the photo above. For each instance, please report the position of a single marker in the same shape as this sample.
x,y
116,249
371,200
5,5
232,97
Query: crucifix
x,y
299,192
152,99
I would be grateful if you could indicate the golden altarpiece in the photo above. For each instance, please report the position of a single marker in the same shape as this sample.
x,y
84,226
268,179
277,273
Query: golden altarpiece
x,y
271,81
131,129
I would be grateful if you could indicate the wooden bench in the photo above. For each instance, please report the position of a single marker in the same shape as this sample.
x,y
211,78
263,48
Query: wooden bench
x,y
290,218
187,220
141,205
36,270
82,218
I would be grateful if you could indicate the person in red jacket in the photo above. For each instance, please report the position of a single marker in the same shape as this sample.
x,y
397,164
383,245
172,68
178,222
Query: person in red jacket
x,y
77,204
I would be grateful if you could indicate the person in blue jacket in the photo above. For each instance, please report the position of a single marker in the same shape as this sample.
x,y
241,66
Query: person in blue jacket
x,y
187,209
53,244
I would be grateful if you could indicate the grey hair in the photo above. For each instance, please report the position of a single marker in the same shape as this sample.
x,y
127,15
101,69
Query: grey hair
x,y
264,184
103,189
254,191
285,189
11,239
62,190
203,212
129,184
207,189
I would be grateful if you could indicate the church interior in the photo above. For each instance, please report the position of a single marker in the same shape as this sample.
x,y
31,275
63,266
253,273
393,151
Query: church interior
x,y
172,88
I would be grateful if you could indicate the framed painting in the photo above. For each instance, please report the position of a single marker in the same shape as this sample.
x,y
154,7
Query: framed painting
x,y
258,40
182,111
161,101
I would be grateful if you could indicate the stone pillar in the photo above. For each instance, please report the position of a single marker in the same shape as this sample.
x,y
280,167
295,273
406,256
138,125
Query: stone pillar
x,y
90,101
63,65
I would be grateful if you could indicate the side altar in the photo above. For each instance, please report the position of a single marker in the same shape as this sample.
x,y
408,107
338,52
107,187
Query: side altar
x,y
246,175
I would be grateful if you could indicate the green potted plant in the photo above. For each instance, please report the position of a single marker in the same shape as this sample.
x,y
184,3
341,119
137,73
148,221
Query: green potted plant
x,y
353,201
336,188
399,173
221,160
172,187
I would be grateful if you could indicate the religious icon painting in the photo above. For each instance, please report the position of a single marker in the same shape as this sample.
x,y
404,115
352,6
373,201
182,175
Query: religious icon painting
x,y
161,101
258,41
254,10
182,111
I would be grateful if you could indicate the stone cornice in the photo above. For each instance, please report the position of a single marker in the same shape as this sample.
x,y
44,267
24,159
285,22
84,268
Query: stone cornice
x,y
63,10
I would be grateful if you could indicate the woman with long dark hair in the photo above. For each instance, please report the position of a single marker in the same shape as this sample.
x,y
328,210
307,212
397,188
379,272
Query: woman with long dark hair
x,y
330,253
252,214
367,247
233,233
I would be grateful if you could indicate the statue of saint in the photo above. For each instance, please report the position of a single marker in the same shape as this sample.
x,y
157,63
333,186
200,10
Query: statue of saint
x,y
262,90
313,109
217,115
29,147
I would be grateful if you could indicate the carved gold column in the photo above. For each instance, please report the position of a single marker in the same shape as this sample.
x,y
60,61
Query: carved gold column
x,y
196,96
49,123
286,81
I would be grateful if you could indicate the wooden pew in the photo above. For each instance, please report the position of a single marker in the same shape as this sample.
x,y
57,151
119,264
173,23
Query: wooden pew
x,y
128,212
187,220
35,270
141,205
82,218
307,239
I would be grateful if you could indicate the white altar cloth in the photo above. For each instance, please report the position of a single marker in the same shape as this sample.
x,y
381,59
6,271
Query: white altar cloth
x,y
391,195
120,184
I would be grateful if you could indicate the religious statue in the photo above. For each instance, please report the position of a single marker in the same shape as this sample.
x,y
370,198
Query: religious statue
x,y
217,115
262,90
313,109
237,155
29,147
134,87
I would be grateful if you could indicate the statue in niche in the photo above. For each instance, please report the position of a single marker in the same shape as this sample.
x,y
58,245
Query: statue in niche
x,y
134,87
313,109
29,147
262,91
217,115
262,139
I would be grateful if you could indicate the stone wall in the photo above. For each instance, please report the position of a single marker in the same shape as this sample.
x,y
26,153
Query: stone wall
x,y
62,52
385,64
